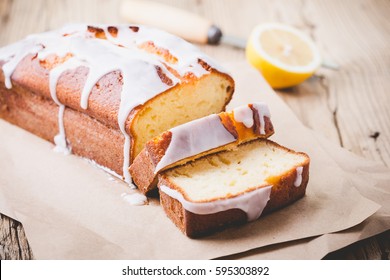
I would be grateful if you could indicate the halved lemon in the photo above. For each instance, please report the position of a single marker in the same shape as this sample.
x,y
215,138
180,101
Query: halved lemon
x,y
283,54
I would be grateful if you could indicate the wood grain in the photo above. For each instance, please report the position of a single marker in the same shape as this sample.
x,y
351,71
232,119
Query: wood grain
x,y
350,106
13,241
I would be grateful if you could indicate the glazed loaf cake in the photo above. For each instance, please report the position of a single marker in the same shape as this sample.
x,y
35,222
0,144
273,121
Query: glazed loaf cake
x,y
198,138
232,187
103,91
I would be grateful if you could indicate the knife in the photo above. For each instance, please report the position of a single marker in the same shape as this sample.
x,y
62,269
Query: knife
x,y
187,25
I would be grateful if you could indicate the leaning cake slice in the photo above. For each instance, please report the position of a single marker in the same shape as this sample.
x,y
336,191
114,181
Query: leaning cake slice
x,y
233,187
198,138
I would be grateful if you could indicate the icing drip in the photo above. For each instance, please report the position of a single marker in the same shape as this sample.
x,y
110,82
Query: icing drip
x,y
113,48
298,179
54,75
186,140
135,199
244,115
94,75
252,203
60,138
263,111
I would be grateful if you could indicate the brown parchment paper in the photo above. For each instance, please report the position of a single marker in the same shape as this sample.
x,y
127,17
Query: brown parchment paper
x,y
371,178
73,210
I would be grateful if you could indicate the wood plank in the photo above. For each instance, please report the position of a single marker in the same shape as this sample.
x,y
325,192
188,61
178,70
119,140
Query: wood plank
x,y
13,241
377,248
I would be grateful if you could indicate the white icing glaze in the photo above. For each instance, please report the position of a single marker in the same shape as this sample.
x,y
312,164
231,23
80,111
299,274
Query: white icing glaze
x,y
298,178
244,114
136,198
122,52
252,203
207,133
194,138
263,111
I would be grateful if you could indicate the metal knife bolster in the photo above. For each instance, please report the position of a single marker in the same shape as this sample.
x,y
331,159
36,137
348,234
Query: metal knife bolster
x,y
215,37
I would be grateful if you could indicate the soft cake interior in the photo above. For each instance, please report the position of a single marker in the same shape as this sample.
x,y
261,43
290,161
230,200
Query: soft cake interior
x,y
195,99
224,174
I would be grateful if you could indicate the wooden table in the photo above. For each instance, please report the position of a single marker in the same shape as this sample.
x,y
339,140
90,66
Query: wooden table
x,y
350,107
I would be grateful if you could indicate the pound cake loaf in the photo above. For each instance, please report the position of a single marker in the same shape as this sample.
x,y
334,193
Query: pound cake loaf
x,y
103,91
198,138
232,187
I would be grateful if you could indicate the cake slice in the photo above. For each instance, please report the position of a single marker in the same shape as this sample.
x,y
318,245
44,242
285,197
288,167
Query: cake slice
x,y
232,187
198,138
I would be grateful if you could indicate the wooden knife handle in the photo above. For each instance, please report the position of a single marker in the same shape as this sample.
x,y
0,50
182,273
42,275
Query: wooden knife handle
x,y
187,25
